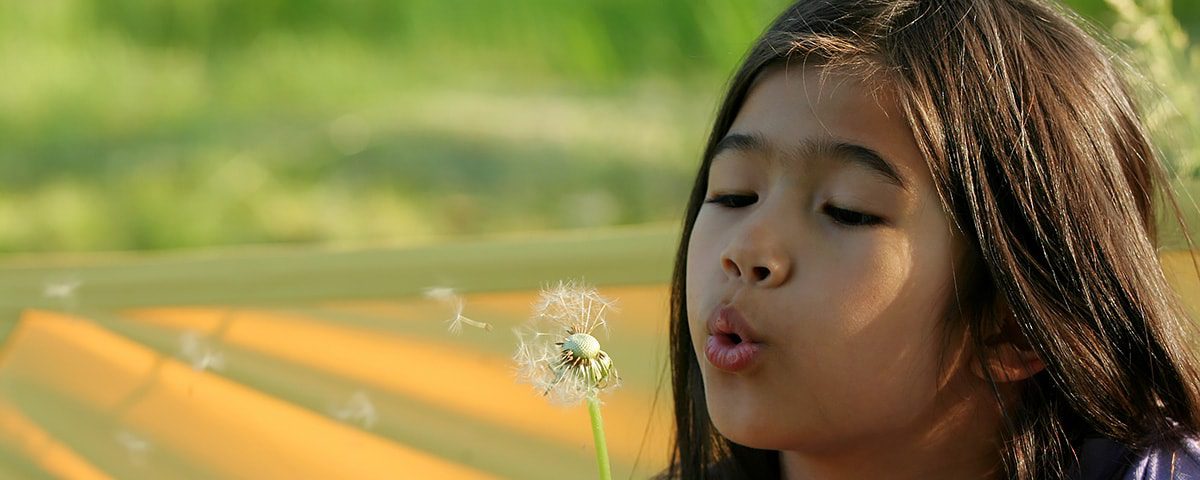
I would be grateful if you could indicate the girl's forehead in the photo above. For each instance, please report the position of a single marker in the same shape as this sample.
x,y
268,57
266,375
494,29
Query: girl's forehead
x,y
815,97
790,109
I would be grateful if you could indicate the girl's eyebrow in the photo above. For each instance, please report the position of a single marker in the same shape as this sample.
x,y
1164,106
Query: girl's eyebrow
x,y
812,147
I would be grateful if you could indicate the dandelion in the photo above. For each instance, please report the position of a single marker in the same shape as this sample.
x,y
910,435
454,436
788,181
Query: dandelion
x,y
447,296
558,353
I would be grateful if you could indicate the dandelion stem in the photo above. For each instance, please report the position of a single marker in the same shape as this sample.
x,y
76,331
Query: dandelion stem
x,y
598,438
475,323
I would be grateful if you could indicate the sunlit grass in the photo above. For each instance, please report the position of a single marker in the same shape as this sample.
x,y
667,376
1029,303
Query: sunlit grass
x,y
143,126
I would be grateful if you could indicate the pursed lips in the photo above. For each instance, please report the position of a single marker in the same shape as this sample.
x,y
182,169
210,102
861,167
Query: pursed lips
x,y
732,345
727,320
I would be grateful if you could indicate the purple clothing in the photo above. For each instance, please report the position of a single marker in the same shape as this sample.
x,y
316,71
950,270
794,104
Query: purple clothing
x,y
1104,459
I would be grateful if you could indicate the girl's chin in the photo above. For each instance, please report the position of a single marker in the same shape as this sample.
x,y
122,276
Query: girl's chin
x,y
747,427
747,436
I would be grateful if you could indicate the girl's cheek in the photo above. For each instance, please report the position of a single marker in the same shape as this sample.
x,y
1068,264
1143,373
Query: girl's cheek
x,y
703,248
696,258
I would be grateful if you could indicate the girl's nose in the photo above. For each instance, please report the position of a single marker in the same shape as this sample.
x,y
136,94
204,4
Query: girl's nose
x,y
756,261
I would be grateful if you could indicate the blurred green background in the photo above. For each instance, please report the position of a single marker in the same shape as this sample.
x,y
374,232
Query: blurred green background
x,y
136,125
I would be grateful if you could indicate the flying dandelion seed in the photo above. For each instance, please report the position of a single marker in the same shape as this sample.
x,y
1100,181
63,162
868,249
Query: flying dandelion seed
x,y
358,409
558,352
199,353
61,290
455,324
440,293
136,446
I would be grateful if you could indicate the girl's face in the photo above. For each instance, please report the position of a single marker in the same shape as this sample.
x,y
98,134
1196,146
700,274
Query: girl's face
x,y
822,229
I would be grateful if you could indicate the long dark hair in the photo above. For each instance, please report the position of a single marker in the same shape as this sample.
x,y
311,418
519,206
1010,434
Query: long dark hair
x,y
1043,166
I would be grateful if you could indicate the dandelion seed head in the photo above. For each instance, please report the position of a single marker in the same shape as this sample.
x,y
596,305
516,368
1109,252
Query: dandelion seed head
x,y
557,350
582,345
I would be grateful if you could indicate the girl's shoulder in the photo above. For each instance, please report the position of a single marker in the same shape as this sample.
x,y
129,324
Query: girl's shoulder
x,y
1105,459
1177,461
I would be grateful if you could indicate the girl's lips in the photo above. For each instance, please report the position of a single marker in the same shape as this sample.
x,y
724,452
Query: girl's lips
x,y
727,354
732,344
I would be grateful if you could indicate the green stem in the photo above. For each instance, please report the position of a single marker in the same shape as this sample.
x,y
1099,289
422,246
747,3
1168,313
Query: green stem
x,y
598,438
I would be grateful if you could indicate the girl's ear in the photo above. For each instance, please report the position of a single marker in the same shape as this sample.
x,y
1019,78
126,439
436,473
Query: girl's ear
x,y
1009,356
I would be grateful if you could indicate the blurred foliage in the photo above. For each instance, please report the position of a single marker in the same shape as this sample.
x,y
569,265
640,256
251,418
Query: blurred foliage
x,y
130,125
1171,63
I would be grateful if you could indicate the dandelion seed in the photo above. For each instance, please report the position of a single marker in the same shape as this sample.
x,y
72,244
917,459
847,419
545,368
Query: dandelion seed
x,y
136,446
199,353
62,291
558,352
440,293
455,324
358,409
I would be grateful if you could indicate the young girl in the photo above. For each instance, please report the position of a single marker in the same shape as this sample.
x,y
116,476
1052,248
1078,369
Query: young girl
x,y
921,245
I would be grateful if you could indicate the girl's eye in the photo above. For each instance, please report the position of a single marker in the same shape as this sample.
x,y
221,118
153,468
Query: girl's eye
x,y
733,201
851,218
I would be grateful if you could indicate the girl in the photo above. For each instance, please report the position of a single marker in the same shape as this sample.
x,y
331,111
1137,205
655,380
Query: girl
x,y
921,244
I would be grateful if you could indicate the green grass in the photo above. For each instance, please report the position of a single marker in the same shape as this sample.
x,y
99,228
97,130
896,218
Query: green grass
x,y
284,276
127,125
92,434
15,464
